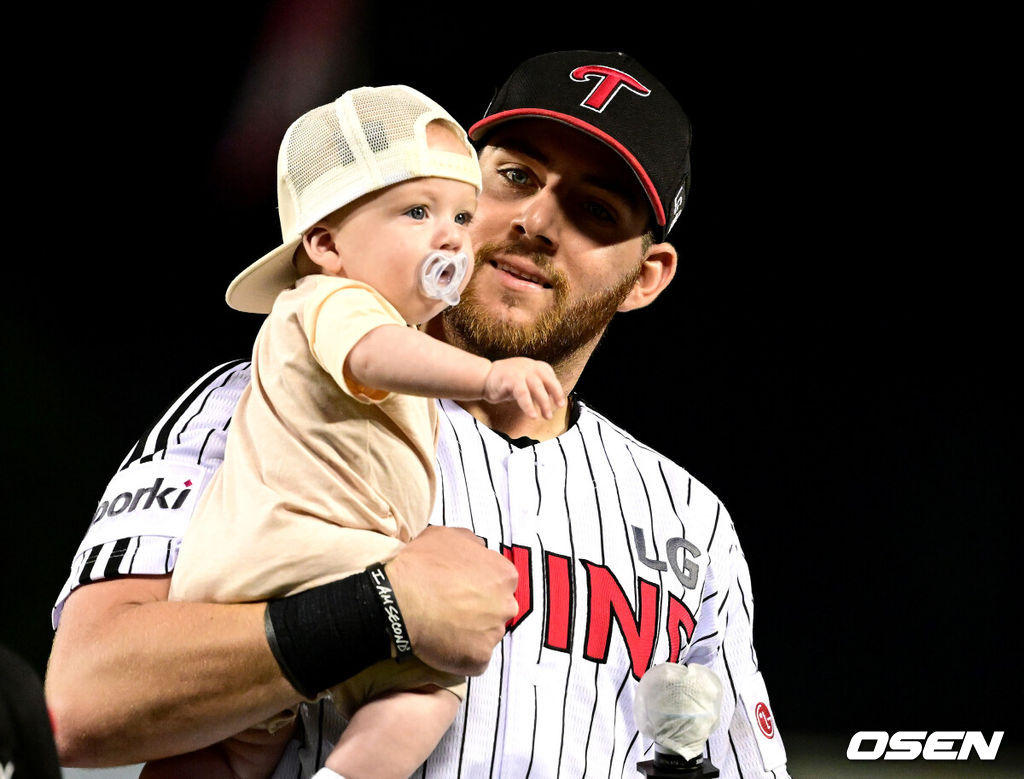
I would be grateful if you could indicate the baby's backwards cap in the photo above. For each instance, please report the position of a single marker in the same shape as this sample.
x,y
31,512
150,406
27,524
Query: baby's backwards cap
x,y
367,139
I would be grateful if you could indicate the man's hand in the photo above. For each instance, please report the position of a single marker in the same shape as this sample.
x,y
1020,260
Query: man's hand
x,y
456,597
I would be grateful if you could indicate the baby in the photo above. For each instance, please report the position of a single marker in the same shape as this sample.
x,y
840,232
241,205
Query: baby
x,y
329,463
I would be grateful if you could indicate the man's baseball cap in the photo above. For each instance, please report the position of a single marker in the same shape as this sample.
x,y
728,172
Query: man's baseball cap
x,y
367,139
612,97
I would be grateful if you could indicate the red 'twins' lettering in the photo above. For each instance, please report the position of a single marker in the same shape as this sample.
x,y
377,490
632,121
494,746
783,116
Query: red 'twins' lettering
x,y
519,556
607,606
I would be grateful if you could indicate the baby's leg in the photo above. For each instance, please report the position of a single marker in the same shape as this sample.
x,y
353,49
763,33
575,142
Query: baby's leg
x,y
252,754
389,737
209,762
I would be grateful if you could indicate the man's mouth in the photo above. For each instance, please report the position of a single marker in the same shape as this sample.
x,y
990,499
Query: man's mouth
x,y
520,274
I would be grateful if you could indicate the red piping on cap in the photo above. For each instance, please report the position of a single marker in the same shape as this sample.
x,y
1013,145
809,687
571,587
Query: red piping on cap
x,y
634,163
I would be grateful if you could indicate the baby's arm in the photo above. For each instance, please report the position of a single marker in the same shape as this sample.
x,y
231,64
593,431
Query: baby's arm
x,y
400,359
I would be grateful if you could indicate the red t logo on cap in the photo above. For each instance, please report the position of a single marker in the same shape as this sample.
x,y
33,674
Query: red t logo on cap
x,y
609,82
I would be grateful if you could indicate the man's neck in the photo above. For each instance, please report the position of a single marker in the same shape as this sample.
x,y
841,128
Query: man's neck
x,y
507,418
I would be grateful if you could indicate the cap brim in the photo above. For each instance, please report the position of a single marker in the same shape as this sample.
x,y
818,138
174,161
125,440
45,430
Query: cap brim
x,y
489,122
255,288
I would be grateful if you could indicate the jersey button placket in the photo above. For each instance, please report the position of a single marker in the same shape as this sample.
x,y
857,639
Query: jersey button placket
x,y
523,641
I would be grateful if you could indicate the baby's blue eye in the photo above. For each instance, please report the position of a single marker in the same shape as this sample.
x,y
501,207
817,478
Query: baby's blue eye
x,y
464,218
417,212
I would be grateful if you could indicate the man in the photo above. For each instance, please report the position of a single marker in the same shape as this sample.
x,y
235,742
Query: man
x,y
624,560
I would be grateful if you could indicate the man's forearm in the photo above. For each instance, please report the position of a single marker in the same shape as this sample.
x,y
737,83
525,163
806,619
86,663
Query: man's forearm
x,y
133,677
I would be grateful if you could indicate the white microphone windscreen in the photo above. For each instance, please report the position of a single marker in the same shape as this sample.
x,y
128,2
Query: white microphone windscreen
x,y
677,706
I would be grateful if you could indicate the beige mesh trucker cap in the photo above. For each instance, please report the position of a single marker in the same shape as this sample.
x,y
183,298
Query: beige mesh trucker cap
x,y
365,140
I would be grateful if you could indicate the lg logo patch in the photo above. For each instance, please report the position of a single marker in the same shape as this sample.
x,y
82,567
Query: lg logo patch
x,y
764,720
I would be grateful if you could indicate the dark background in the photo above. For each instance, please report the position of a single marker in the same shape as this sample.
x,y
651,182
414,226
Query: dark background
x,y
834,358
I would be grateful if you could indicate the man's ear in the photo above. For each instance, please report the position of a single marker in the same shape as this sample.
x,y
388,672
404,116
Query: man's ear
x,y
320,247
656,271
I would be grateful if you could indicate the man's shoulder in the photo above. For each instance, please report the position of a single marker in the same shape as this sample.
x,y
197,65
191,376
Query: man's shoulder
x,y
611,434
589,417
231,373
147,504
206,405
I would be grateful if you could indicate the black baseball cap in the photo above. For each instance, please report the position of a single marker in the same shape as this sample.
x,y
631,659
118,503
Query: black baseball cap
x,y
611,97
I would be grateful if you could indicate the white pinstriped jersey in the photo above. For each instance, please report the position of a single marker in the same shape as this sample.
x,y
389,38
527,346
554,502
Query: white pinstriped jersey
x,y
624,561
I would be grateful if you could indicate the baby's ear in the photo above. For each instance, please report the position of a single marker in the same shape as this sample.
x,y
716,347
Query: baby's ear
x,y
320,247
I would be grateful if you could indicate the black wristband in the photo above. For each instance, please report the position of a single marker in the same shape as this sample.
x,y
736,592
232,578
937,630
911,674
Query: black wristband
x,y
396,624
329,633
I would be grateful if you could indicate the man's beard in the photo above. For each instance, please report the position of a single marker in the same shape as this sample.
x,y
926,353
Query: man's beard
x,y
558,333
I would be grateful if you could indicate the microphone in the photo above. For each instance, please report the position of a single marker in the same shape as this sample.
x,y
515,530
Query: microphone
x,y
677,707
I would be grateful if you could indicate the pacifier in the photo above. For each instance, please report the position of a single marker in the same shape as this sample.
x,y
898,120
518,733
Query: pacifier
x,y
441,275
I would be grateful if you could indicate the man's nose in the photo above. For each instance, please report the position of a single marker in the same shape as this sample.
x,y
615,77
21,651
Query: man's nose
x,y
538,220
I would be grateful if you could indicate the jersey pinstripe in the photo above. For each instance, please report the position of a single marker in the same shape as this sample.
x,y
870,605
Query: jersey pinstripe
x,y
625,560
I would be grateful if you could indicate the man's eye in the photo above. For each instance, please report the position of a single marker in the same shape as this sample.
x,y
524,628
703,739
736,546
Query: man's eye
x,y
599,212
463,218
515,176
417,212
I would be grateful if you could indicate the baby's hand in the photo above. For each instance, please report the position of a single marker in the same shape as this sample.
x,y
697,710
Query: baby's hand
x,y
530,383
